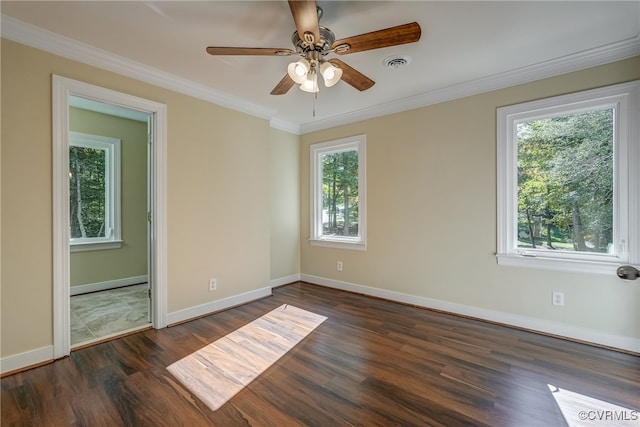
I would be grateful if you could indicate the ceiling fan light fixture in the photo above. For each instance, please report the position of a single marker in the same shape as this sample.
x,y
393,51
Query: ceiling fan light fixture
x,y
298,70
310,84
330,73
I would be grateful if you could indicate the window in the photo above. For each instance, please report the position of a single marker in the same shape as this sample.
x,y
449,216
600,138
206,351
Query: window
x,y
338,193
94,192
568,181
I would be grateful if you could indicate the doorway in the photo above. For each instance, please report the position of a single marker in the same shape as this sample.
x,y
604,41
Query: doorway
x,y
109,203
68,96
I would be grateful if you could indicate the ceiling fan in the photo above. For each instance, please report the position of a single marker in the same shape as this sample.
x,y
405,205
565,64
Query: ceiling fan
x,y
313,42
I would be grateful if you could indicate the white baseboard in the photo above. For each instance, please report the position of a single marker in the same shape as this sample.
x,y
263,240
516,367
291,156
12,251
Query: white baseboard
x,y
110,284
213,306
45,354
26,359
284,280
531,323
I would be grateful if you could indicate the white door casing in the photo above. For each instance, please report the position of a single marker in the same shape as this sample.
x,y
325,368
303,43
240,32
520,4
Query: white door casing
x,y
62,89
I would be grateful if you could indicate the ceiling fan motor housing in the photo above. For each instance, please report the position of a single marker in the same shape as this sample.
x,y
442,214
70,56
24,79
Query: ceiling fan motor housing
x,y
323,45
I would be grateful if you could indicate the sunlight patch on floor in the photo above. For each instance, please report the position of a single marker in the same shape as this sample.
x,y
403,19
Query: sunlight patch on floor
x,y
584,411
220,370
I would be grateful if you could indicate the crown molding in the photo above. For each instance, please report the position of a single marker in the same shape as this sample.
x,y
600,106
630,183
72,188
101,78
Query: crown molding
x,y
30,35
284,125
33,36
563,65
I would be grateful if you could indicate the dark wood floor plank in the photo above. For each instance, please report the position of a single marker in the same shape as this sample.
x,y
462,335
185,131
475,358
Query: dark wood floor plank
x,y
253,408
371,363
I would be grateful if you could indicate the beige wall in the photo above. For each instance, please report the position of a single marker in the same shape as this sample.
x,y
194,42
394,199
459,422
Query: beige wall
x,y
431,204
130,260
285,200
431,214
218,195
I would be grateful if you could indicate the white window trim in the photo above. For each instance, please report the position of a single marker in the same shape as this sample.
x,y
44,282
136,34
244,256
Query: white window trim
x,y
111,146
625,98
359,143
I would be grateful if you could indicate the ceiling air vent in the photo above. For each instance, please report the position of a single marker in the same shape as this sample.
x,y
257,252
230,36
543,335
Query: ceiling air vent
x,y
396,61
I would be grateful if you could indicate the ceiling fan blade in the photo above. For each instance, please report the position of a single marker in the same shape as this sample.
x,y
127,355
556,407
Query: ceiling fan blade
x,y
283,86
407,33
352,76
305,15
213,50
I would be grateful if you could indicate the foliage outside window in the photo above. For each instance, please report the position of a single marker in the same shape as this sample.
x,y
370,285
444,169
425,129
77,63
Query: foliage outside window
x,y
338,193
94,192
567,181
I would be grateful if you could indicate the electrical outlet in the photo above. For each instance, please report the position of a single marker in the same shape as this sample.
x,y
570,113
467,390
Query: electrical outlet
x,y
339,266
213,284
557,298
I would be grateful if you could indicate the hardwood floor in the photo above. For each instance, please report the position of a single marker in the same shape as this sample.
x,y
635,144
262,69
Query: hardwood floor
x,y
371,363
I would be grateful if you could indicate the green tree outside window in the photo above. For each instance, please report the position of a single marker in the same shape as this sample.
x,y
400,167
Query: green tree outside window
x,y
565,182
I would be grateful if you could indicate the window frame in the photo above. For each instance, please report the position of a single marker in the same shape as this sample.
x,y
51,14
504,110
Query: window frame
x,y
111,146
625,100
317,238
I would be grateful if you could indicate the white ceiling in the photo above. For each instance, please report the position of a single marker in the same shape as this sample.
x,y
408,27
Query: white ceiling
x,y
464,45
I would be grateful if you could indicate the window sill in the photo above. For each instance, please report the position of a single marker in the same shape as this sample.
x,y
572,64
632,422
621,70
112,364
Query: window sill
x,y
339,244
95,246
556,264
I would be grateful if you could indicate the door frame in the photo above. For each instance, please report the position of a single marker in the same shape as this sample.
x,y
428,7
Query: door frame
x,y
62,88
